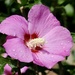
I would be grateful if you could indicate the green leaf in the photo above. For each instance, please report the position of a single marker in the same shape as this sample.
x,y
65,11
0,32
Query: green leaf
x,y
1,50
4,61
73,36
1,18
9,2
61,2
24,2
37,1
52,8
69,10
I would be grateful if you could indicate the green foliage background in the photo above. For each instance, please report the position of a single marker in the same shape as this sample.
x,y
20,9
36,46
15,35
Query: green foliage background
x,y
64,10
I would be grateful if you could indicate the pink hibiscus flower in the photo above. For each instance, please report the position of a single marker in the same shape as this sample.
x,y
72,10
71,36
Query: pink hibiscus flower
x,y
41,39
8,69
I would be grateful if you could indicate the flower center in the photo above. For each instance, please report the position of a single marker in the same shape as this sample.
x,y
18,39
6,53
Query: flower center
x,y
36,43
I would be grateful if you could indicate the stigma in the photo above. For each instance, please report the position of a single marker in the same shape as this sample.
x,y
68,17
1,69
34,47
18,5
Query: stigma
x,y
37,42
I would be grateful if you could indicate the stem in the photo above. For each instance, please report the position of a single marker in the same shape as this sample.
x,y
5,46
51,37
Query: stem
x,y
36,70
61,69
18,66
64,17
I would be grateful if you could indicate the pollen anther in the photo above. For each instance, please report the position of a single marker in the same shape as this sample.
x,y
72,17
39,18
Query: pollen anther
x,y
33,43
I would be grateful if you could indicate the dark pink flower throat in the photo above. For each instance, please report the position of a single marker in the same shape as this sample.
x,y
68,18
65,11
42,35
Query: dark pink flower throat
x,y
29,37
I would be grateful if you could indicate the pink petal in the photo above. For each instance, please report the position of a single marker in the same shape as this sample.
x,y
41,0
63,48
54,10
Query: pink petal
x,y
16,49
58,41
24,69
14,25
36,60
48,60
41,20
7,70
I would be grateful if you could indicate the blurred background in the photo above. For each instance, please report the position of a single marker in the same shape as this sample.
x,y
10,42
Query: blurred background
x,y
64,10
